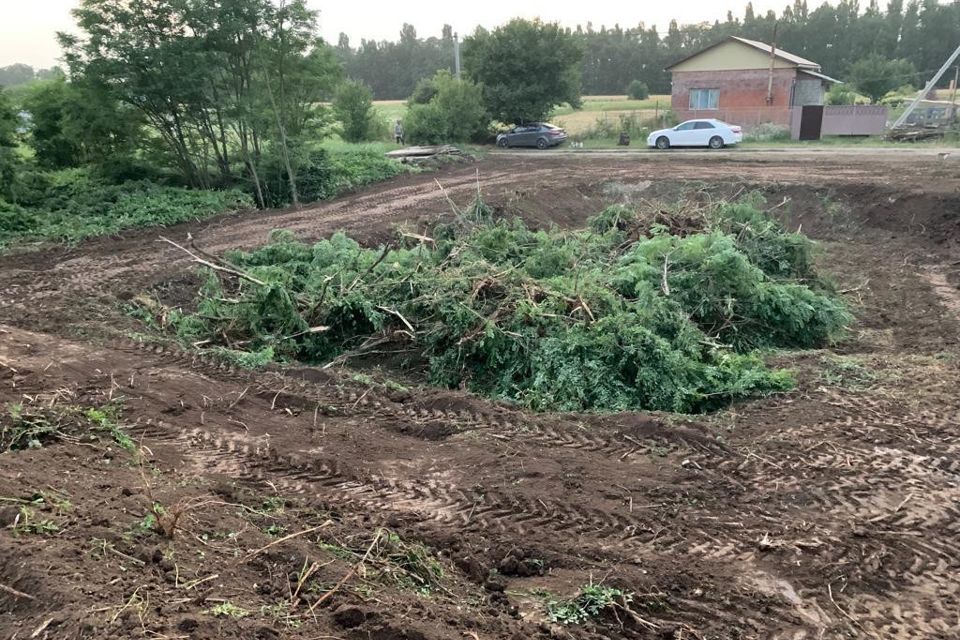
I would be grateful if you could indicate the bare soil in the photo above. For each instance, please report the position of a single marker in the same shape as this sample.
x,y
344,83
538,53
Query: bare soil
x,y
832,511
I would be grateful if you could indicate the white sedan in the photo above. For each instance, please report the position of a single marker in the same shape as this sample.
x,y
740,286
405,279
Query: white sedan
x,y
715,134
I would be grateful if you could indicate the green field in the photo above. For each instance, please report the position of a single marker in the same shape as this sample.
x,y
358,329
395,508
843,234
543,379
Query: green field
x,y
576,122
595,104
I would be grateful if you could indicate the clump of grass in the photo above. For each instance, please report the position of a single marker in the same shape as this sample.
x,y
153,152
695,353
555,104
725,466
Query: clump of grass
x,y
841,371
26,428
409,564
227,610
392,560
622,315
589,603
31,426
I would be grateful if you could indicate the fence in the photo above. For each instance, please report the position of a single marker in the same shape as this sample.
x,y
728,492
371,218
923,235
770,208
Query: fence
x,y
854,120
845,120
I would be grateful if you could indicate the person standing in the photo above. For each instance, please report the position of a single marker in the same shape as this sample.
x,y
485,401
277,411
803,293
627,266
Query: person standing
x,y
398,132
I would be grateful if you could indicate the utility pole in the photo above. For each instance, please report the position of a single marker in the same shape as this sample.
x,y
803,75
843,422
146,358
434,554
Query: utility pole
x,y
926,89
456,56
953,94
773,59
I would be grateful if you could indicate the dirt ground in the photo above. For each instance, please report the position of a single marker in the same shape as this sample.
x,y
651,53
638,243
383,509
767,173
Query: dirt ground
x,y
308,503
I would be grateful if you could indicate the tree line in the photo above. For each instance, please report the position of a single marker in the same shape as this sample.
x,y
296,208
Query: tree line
x,y
15,75
835,35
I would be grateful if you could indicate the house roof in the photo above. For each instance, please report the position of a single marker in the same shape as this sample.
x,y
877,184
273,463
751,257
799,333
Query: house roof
x,y
822,76
761,46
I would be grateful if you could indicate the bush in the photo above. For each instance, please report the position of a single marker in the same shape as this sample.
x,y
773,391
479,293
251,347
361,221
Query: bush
x,y
71,205
768,132
454,113
840,94
353,106
321,175
637,90
584,320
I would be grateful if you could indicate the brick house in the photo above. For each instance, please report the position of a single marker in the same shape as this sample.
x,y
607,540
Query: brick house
x,y
731,81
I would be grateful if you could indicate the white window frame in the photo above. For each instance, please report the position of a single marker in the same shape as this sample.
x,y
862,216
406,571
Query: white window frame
x,y
704,99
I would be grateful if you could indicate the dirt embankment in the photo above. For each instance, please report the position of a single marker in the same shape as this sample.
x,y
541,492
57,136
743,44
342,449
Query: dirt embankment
x,y
314,504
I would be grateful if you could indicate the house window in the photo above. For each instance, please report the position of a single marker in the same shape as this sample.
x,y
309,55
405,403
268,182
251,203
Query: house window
x,y
704,99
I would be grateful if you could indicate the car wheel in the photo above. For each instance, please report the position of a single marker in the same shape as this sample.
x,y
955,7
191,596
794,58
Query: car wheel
x,y
502,143
663,142
716,142
542,143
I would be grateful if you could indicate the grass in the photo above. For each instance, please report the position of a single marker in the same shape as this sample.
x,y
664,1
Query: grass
x,y
30,426
391,110
845,371
599,104
227,610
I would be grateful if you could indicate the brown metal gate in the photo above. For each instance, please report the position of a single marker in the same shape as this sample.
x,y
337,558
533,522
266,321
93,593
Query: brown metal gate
x,y
811,122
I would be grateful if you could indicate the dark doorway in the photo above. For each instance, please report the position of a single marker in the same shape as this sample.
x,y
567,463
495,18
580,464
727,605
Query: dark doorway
x,y
811,121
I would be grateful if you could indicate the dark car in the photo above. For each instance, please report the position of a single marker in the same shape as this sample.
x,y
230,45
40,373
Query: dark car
x,y
535,134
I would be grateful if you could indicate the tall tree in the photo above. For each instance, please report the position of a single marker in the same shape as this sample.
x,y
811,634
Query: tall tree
x,y
16,74
526,68
9,123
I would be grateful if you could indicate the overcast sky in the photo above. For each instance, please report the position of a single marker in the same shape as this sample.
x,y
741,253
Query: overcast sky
x,y
28,27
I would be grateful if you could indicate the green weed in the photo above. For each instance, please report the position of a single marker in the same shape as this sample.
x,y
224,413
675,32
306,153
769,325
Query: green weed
x,y
592,600
841,371
106,419
33,426
72,204
27,522
246,359
26,428
227,610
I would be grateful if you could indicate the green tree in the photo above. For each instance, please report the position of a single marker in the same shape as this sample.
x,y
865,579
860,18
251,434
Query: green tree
x,y
217,82
9,161
353,106
875,76
47,102
454,113
16,74
637,90
526,68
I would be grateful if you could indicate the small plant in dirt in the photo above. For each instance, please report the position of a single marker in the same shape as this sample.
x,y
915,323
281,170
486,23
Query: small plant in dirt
x,y
227,610
31,426
410,565
590,603
28,522
841,371
25,429
622,315
282,613
390,559
106,419
275,530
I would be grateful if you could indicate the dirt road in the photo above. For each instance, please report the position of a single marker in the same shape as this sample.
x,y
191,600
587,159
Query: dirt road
x,y
316,504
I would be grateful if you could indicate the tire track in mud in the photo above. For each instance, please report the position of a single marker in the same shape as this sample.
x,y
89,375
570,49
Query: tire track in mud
x,y
882,508
434,500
